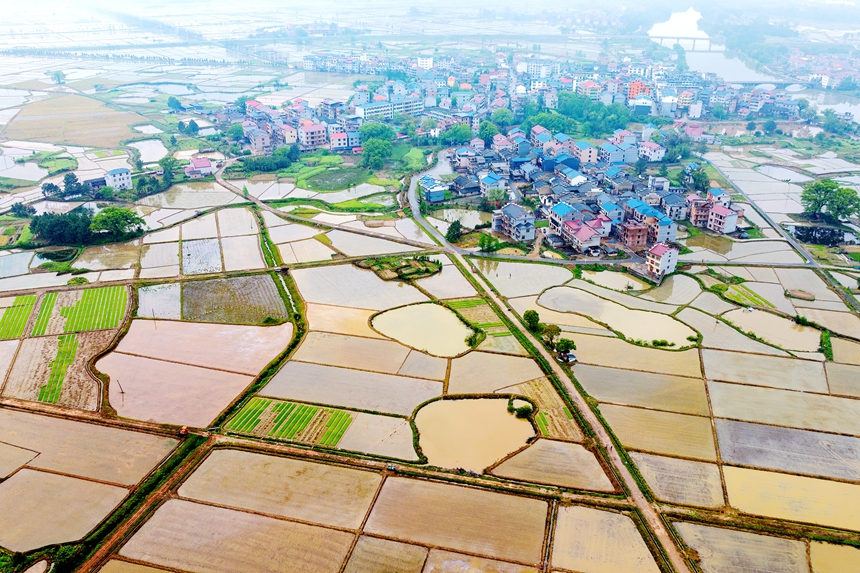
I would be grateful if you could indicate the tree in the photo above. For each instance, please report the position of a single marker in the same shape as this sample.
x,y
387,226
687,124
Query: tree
x,y
843,204
831,122
565,345
168,164
550,332
71,185
181,126
497,196
117,222
106,193
455,232
240,103
532,319
502,117
58,77
428,124
751,126
817,195
487,130
375,152
456,135
22,210
51,190
701,181
719,112
374,130
294,153
640,166
487,243
769,126
174,104
192,129
235,131
71,228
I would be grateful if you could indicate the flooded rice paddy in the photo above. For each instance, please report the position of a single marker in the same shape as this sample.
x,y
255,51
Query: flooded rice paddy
x,y
430,328
616,281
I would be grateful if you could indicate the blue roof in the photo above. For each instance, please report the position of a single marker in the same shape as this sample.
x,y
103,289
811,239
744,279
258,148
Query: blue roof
x,y
543,137
562,209
562,137
583,144
716,192
613,171
609,147
118,171
491,178
609,206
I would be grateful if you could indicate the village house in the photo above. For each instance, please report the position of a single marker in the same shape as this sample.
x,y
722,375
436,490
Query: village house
x,y
722,219
661,259
199,167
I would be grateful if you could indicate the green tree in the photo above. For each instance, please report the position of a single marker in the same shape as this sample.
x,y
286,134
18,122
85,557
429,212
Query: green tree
x,y
374,130
487,130
701,181
719,112
497,196
235,131
375,152
117,222
240,103
58,77
454,233
51,190
22,210
751,126
532,319
193,129
168,164
550,333
817,195
294,153
565,345
428,124
640,166
487,243
106,193
174,104
502,117
831,121
72,228
456,135
843,204
769,126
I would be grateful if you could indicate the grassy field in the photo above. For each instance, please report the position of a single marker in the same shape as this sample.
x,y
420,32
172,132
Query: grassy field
x,y
66,352
98,308
14,319
44,314
745,296
72,119
336,179
291,421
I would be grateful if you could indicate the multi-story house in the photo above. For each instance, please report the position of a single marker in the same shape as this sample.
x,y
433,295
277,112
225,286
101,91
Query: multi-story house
x,y
515,222
585,152
661,260
261,142
722,219
312,135
700,210
650,151
633,234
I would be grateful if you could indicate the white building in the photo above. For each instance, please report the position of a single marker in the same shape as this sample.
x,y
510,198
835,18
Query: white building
x,y
425,63
662,260
119,179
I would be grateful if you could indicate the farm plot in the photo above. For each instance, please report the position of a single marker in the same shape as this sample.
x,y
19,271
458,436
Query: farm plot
x,y
616,353
555,463
379,435
523,278
553,418
288,232
677,289
159,255
599,542
461,519
681,481
7,353
170,235
77,506
354,389
12,458
427,327
843,379
340,320
806,280
794,498
307,251
373,555
717,334
568,322
53,369
306,491
14,317
660,392
242,253
354,245
89,451
421,365
347,285
352,352
635,324
291,422
789,450
626,300
727,550
168,393
615,280
201,257
102,257
232,348
773,371
81,310
471,434
235,300
662,432
480,315
193,196
843,323
829,558
194,537
449,283
205,227
776,329
711,303
845,351
236,222
160,301
15,264
482,372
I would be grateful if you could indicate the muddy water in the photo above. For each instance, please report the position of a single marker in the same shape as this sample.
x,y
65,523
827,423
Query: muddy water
x,y
150,149
776,329
427,327
466,217
615,281
193,195
719,245
470,434
118,256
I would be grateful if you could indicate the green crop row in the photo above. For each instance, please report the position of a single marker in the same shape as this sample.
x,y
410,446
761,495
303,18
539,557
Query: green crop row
x,y
500,334
336,427
470,303
490,325
98,308
296,420
542,423
14,318
44,314
66,352
249,417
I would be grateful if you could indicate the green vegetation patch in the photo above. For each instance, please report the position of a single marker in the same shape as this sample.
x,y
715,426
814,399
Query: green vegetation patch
x,y
744,296
66,352
289,421
402,268
335,179
44,314
99,308
14,318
